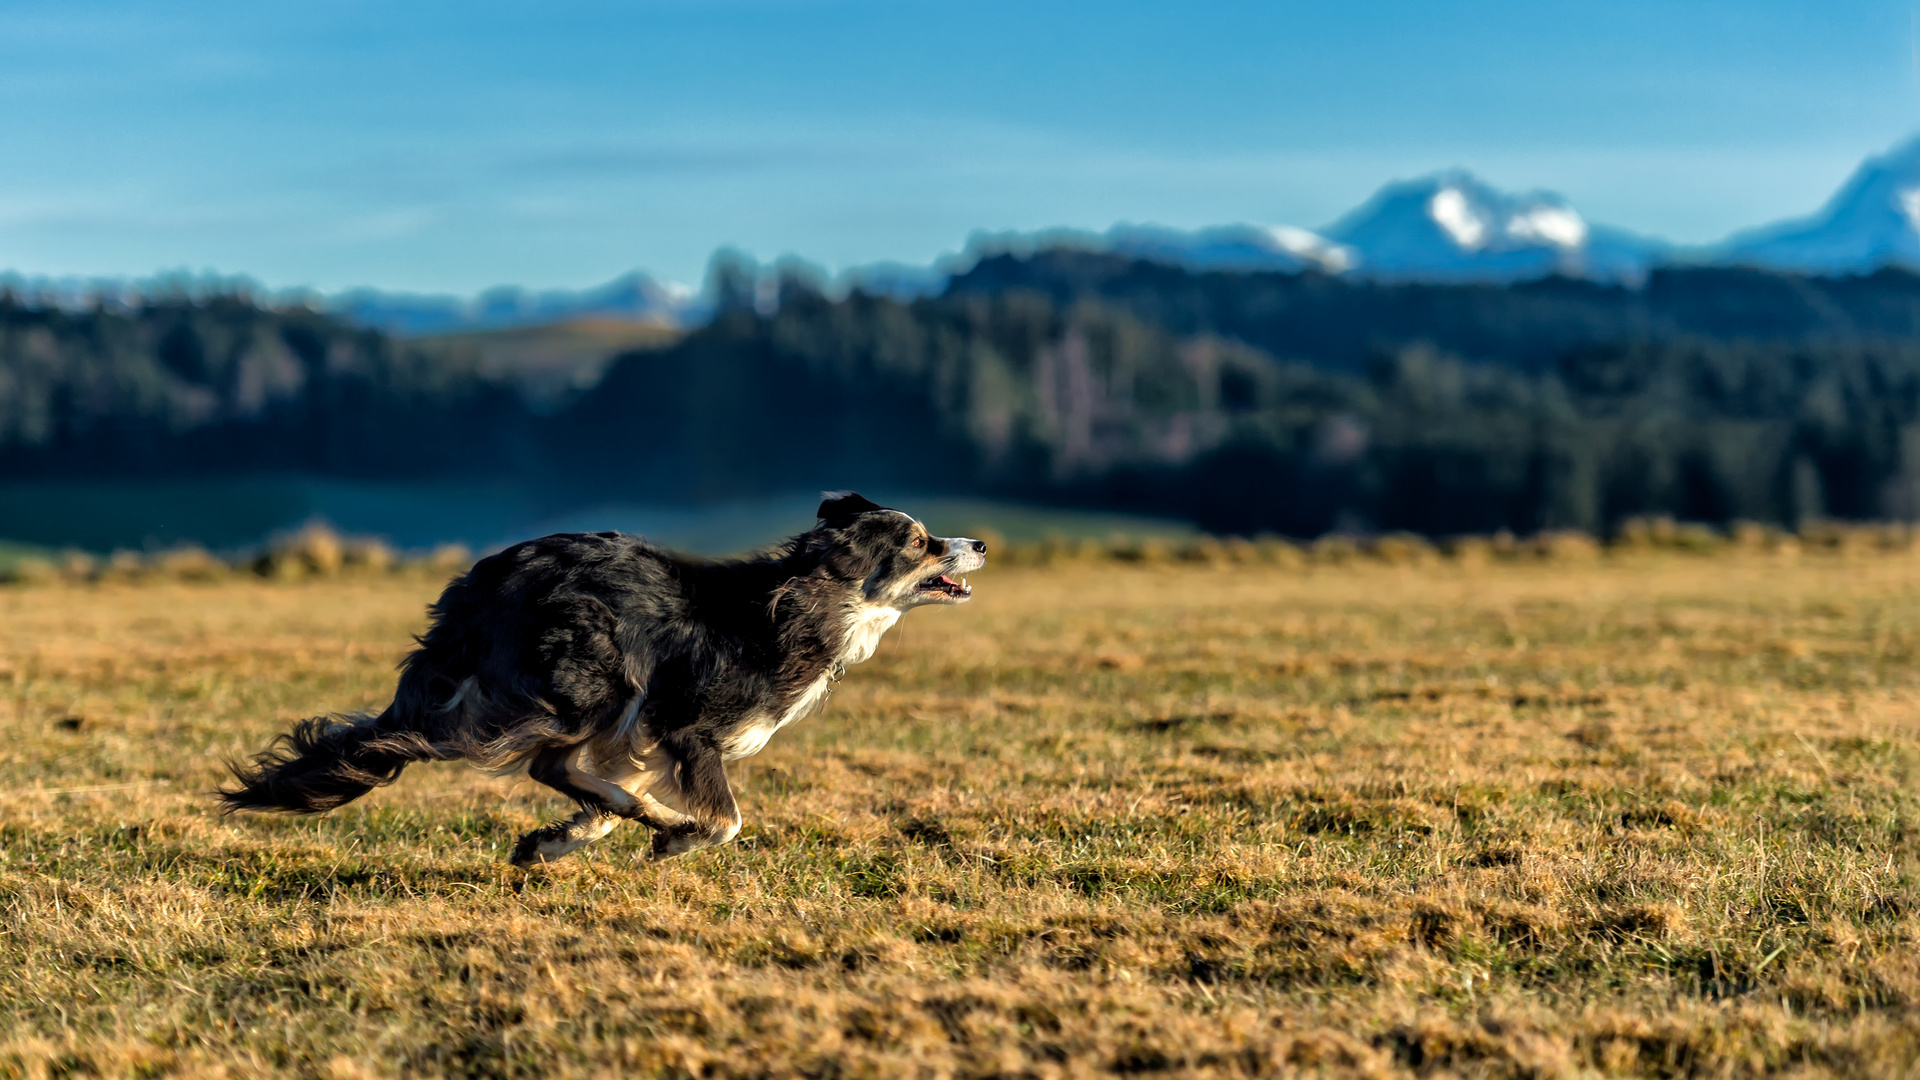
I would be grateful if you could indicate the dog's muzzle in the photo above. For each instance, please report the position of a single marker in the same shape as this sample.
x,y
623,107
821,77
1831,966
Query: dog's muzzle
x,y
964,555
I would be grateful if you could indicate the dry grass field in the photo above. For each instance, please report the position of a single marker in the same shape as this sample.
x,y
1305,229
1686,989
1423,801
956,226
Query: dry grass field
x,y
1650,816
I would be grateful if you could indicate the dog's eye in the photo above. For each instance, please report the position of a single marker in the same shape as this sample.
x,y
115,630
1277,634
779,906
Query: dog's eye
x,y
919,541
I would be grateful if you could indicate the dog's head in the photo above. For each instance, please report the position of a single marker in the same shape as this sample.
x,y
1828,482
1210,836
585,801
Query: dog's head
x,y
896,561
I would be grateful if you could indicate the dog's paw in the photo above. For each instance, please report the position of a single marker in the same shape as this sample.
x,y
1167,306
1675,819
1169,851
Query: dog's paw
x,y
680,839
542,846
526,852
690,836
670,842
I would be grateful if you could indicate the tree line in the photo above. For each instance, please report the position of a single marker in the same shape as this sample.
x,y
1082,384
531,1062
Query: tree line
x,y
218,384
1286,403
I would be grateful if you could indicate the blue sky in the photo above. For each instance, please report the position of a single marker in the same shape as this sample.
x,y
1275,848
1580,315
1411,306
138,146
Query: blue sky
x,y
448,147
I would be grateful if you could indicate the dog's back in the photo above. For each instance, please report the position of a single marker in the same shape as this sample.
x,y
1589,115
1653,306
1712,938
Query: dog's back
x,y
536,630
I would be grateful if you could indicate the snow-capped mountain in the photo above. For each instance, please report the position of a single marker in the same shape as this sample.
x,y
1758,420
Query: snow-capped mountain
x,y
1451,226
634,297
1872,221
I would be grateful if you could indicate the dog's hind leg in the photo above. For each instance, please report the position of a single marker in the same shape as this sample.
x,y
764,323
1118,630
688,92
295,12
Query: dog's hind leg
x,y
680,791
652,779
549,842
558,767
602,805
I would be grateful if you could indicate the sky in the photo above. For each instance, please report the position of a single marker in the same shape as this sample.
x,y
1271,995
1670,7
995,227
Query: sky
x,y
451,147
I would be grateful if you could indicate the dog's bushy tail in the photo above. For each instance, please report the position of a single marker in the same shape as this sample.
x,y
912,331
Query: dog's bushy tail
x,y
322,763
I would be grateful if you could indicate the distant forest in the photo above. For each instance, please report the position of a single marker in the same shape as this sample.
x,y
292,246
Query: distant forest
x,y
222,386
1287,403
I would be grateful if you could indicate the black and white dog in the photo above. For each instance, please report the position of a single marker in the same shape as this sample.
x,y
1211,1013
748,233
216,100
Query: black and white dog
x,y
623,676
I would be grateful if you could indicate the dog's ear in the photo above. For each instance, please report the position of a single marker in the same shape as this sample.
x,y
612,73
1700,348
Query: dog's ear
x,y
844,504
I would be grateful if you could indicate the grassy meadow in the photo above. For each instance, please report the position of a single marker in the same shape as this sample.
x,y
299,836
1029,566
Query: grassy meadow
x,y
1647,815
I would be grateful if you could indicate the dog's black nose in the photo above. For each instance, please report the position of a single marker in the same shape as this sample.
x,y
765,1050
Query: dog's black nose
x,y
980,546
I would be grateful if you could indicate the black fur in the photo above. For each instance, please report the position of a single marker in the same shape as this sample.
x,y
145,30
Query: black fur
x,y
841,505
622,675
326,762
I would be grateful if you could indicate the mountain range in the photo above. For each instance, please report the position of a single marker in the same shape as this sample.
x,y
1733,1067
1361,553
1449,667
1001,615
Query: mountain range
x,y
1446,227
1453,227
1872,221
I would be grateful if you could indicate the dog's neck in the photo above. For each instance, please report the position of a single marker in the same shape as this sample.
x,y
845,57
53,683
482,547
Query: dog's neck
x,y
864,627
824,624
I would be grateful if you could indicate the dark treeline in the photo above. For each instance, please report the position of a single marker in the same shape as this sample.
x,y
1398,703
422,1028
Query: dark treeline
x,y
1019,394
220,385
1343,324
1249,403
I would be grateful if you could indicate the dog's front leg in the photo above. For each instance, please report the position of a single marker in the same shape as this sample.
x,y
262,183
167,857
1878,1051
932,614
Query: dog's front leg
x,y
710,814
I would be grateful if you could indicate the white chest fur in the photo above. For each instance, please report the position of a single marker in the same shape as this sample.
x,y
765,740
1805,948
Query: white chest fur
x,y
750,736
864,630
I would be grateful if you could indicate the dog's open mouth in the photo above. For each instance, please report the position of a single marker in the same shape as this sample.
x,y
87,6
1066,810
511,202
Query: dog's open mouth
x,y
943,586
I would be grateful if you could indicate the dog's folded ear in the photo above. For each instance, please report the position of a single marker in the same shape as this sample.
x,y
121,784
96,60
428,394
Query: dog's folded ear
x,y
844,504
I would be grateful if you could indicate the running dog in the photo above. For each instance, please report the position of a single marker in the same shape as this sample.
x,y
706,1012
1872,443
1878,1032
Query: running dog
x,y
623,676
